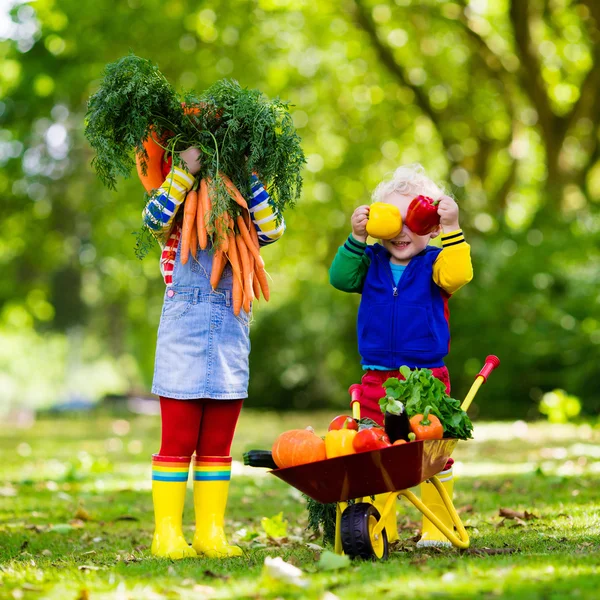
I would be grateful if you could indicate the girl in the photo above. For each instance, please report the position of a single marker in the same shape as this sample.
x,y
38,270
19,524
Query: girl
x,y
200,374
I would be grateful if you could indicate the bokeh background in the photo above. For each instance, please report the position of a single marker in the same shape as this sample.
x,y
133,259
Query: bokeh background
x,y
497,99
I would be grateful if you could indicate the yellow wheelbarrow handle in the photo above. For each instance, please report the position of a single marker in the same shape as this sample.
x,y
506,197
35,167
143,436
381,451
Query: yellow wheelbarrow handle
x,y
491,362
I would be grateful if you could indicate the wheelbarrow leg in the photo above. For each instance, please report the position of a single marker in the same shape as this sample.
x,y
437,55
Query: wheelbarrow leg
x,y
339,509
388,514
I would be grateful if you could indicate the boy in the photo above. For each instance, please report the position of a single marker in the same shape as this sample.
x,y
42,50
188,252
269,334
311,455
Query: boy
x,y
405,286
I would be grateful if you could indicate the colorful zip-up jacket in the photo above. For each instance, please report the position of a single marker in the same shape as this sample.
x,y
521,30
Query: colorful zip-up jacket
x,y
161,209
407,323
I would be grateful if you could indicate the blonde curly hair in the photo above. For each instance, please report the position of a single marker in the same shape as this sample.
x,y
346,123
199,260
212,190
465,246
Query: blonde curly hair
x,y
408,180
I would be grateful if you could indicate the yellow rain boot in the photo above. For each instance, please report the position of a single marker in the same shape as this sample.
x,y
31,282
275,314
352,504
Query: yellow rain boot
x,y
430,534
211,487
169,482
391,524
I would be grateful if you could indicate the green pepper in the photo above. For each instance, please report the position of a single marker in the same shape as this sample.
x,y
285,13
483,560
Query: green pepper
x,y
338,442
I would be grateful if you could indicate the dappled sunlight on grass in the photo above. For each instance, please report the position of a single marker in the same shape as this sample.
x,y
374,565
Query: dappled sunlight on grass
x,y
76,514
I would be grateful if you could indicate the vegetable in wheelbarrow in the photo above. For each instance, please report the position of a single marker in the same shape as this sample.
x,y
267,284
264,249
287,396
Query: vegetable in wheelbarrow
x,y
420,389
259,458
395,419
298,447
373,438
426,426
338,442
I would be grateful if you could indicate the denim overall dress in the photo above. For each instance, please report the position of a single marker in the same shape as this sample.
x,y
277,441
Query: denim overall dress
x,y
202,348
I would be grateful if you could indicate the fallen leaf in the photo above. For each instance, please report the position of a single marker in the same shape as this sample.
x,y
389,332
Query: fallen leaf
x,y
88,568
76,523
275,527
508,513
314,547
83,595
329,561
276,570
213,575
489,551
61,528
465,509
565,515
126,518
82,514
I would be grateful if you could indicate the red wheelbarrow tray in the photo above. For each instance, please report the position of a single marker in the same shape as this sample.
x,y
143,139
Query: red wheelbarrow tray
x,y
368,473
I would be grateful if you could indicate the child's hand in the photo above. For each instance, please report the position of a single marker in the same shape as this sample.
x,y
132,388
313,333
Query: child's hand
x,y
448,211
191,159
359,223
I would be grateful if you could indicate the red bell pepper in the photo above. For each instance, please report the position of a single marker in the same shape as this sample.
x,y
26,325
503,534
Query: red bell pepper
x,y
422,217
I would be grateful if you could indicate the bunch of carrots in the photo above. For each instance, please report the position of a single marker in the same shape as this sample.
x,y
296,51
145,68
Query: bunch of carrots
x,y
236,242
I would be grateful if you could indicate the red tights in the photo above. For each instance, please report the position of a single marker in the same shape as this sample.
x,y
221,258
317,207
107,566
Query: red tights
x,y
202,426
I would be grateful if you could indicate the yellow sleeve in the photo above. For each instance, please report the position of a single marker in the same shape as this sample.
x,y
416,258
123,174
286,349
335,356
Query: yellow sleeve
x,y
453,268
160,211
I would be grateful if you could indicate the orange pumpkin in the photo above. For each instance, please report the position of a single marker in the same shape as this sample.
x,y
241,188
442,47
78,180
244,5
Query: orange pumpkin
x,y
157,168
298,447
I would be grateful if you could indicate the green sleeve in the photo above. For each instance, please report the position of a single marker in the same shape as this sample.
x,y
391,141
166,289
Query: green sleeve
x,y
350,266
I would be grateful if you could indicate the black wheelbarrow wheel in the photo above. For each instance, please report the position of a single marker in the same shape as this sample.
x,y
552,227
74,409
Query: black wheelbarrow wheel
x,y
358,540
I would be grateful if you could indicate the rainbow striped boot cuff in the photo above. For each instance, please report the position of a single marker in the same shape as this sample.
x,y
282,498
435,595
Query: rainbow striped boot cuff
x,y
212,468
170,468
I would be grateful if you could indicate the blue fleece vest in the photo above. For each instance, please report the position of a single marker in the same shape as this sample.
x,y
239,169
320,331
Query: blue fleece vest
x,y
404,324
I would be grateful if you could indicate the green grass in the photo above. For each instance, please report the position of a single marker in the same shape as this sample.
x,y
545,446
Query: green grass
x,y
76,519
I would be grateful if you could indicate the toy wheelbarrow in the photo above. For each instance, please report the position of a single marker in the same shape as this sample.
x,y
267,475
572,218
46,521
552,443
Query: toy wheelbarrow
x,y
359,530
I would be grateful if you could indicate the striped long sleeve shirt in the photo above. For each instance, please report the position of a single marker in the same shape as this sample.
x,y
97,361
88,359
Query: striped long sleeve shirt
x,y
451,271
161,209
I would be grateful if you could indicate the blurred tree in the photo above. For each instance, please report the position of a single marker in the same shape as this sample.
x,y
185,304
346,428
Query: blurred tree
x,y
496,98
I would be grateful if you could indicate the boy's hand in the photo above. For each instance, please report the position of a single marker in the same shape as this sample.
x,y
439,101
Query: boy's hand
x,y
191,157
448,211
359,223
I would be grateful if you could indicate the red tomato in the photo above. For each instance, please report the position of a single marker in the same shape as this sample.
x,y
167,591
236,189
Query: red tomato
x,y
339,421
374,438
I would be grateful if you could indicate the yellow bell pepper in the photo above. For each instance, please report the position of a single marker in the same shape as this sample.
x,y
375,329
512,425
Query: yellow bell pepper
x,y
385,221
338,442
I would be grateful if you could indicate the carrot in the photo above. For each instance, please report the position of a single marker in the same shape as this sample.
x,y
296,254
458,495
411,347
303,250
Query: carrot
x,y
248,239
261,275
252,283
246,281
237,291
202,215
189,215
218,264
233,191
259,269
253,233
194,242
255,286
222,239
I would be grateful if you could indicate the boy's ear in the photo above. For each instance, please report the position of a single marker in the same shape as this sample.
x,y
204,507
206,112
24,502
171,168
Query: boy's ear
x,y
436,232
